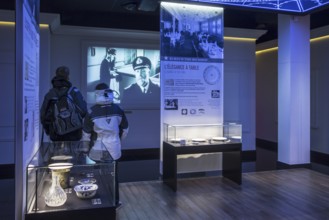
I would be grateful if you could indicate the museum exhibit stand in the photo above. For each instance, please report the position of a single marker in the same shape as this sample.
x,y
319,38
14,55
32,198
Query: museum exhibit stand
x,y
68,180
202,139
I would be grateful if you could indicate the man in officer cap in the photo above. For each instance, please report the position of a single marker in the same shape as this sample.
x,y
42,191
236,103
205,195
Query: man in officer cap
x,y
143,92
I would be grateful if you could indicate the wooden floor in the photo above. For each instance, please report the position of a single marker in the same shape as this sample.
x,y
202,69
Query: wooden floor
x,y
279,194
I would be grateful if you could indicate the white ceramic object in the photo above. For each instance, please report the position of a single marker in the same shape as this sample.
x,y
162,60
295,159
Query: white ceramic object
x,y
86,191
219,138
60,166
55,196
62,157
175,140
86,181
199,140
62,170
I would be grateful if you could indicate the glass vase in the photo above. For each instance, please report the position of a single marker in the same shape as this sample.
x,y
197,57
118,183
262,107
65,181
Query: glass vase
x,y
56,195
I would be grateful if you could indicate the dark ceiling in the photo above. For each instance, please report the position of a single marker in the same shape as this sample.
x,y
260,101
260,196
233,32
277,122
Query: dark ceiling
x,y
145,15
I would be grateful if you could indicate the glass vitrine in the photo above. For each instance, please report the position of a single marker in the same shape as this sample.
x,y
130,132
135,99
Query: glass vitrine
x,y
202,133
70,177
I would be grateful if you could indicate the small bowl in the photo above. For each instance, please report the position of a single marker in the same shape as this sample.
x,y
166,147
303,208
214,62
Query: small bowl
x,y
60,166
219,138
86,191
61,157
86,181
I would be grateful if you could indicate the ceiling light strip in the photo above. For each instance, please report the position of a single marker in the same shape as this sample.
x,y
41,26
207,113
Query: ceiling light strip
x,y
239,38
319,38
226,38
267,50
7,23
11,23
316,39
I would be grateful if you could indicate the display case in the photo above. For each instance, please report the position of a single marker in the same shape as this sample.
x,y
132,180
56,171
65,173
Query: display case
x,y
200,139
71,180
202,133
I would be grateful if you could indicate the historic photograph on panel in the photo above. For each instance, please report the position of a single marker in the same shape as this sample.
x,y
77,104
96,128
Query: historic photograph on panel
x,y
191,31
132,74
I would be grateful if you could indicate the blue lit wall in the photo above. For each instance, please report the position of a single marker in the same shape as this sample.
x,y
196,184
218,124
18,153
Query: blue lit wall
x,y
296,6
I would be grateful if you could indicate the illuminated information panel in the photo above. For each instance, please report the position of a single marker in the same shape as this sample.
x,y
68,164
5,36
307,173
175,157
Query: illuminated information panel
x,y
296,6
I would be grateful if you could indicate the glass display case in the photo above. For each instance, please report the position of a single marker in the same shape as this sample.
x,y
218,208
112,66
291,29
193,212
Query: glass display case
x,y
193,134
68,180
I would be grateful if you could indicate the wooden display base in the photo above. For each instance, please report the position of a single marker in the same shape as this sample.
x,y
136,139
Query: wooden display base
x,y
231,160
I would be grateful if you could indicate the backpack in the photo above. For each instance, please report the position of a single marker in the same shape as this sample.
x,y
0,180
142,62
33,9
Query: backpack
x,y
66,115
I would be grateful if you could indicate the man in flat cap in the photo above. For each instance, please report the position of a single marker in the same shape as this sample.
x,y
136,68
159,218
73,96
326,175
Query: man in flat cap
x,y
60,86
143,92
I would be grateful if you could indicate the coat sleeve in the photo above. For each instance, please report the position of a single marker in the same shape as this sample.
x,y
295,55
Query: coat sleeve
x,y
124,126
88,133
43,112
88,124
80,101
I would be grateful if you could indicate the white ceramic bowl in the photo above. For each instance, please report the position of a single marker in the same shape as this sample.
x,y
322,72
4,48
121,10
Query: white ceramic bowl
x,y
60,166
219,138
86,181
86,191
61,157
236,137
